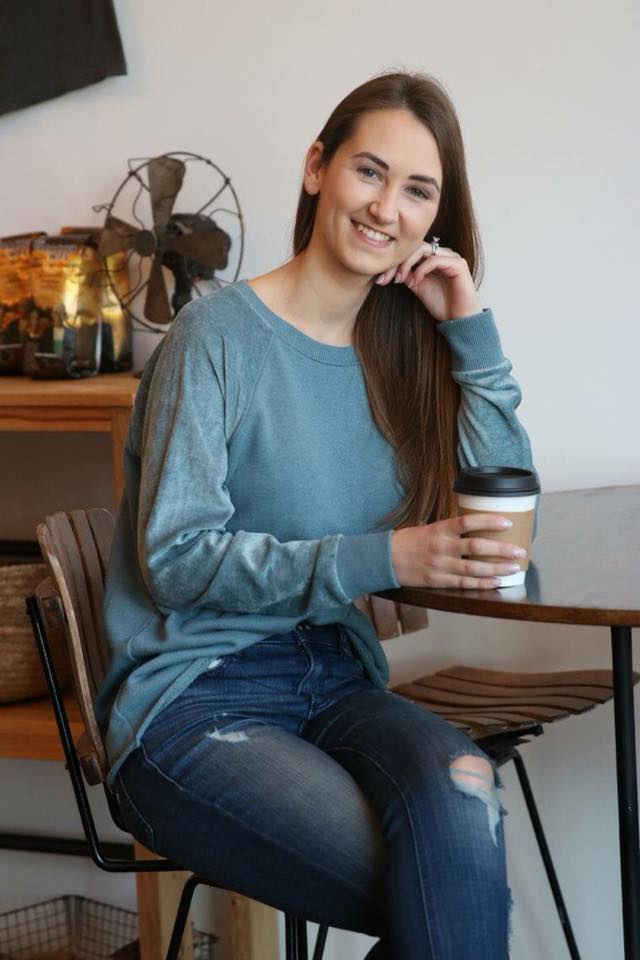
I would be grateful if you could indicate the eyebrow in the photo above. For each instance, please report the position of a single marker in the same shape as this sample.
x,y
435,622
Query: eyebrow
x,y
385,166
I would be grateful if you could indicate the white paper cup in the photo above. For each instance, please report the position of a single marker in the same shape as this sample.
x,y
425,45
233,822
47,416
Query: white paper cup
x,y
510,492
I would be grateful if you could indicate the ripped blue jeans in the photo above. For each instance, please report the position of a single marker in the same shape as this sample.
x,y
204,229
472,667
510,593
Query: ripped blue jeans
x,y
282,773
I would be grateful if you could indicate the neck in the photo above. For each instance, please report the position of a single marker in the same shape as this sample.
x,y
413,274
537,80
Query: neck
x,y
314,296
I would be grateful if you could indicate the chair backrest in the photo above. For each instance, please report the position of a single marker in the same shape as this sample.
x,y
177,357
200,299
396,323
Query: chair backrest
x,y
75,546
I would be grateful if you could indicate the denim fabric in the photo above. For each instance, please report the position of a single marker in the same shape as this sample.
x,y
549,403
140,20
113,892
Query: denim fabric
x,y
284,774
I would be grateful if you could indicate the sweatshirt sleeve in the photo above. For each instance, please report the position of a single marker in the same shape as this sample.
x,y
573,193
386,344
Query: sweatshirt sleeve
x,y
489,430
187,555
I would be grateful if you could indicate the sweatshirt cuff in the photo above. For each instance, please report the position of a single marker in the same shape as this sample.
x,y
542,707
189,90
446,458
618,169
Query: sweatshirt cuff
x,y
474,342
364,564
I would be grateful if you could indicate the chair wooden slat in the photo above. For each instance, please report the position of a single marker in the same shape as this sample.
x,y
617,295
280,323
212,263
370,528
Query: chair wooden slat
x,y
75,561
423,690
87,553
591,678
445,709
412,618
477,699
528,714
498,718
391,619
385,617
66,545
446,683
102,526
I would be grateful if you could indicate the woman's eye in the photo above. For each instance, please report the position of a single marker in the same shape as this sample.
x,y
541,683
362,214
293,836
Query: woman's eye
x,y
418,192
368,172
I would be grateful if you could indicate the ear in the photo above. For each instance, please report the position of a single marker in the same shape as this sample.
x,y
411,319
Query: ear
x,y
314,168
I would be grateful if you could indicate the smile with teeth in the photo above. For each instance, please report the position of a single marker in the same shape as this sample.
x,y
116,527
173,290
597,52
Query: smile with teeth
x,y
374,235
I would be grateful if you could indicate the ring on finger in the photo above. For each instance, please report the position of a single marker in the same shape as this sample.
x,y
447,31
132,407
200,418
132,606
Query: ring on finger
x,y
435,245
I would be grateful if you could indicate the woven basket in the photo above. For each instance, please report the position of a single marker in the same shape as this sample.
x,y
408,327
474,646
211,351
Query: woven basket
x,y
21,676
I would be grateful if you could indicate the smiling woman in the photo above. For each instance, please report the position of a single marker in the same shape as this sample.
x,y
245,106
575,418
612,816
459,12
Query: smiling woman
x,y
293,446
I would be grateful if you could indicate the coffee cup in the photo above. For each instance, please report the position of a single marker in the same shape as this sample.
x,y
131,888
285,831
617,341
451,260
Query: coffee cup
x,y
509,491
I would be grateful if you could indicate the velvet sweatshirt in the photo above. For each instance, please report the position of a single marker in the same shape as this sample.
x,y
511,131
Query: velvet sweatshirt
x,y
255,480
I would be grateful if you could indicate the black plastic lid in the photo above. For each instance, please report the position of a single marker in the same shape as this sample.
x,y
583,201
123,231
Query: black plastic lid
x,y
497,482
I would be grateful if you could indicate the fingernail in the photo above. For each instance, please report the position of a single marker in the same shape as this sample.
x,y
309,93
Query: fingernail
x,y
504,523
398,277
380,278
518,552
514,567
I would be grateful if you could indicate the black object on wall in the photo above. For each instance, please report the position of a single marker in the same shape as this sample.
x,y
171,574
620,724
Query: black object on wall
x,y
49,47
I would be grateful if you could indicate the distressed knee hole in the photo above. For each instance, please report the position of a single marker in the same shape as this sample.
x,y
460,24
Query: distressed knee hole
x,y
474,777
233,736
232,731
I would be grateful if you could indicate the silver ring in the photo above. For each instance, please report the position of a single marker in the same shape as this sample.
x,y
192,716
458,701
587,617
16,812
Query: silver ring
x,y
435,245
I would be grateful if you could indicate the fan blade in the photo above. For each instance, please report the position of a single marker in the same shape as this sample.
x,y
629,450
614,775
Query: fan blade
x,y
165,179
156,305
209,249
116,237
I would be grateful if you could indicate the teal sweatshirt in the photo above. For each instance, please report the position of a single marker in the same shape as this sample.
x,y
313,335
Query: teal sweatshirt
x,y
254,480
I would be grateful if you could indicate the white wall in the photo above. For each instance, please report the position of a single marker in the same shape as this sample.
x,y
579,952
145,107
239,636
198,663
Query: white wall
x,y
546,93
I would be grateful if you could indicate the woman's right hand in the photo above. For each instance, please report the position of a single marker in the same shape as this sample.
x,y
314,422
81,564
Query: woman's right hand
x,y
432,555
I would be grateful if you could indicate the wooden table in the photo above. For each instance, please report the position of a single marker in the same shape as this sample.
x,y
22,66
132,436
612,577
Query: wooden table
x,y
585,569
103,404
99,404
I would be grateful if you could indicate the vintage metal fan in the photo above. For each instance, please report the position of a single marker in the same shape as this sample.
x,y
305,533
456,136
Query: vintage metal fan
x,y
172,256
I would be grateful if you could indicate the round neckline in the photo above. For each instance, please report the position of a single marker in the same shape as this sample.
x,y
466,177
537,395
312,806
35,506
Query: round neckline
x,y
325,352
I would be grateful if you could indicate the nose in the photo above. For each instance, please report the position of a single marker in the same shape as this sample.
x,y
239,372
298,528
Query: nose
x,y
385,207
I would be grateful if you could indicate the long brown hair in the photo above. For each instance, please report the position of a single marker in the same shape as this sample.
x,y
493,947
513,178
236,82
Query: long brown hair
x,y
406,363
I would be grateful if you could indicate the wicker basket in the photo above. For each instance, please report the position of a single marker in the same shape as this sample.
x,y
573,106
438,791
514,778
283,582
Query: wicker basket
x,y
21,677
76,928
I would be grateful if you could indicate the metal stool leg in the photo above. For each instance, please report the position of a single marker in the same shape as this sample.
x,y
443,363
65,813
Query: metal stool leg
x,y
627,787
302,939
181,917
546,855
295,931
321,939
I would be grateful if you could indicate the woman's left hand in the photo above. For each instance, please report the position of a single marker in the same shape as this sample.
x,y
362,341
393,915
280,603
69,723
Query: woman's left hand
x,y
440,280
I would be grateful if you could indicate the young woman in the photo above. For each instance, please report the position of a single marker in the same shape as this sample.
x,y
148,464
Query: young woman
x,y
293,446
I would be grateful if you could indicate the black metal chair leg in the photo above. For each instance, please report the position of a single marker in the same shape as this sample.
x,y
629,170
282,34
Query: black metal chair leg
x,y
321,939
291,937
546,855
181,917
622,656
302,939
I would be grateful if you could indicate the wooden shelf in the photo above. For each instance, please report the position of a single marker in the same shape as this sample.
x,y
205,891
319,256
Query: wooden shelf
x,y
28,729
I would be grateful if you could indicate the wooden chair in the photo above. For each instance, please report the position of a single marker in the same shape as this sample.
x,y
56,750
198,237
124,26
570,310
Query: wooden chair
x,y
499,711
76,548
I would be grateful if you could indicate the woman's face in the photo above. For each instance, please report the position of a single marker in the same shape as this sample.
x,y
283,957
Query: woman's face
x,y
379,193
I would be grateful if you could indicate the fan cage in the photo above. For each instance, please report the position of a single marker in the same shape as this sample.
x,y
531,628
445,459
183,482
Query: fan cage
x,y
141,283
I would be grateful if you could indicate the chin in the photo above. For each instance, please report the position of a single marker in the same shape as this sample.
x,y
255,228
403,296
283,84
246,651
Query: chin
x,y
365,267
